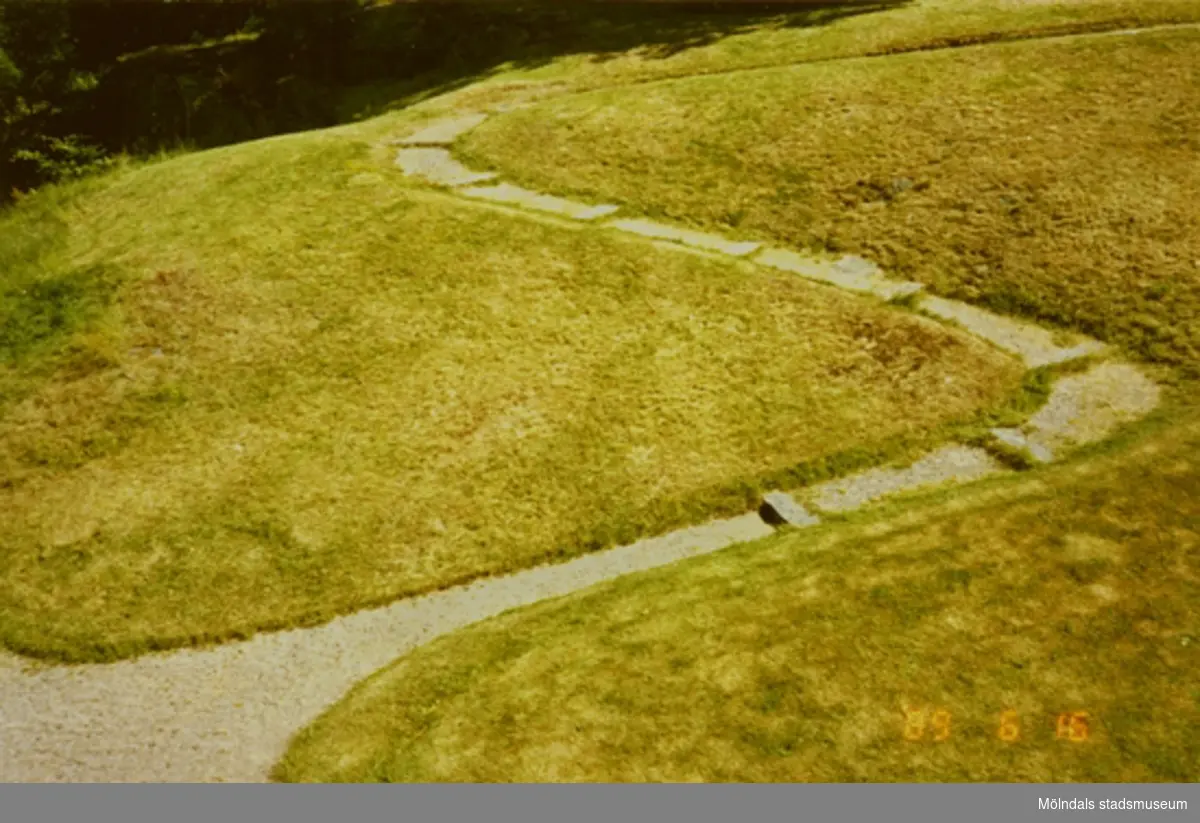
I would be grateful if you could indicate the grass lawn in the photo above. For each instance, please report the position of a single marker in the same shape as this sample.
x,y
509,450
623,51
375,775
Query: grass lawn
x,y
814,30
1033,628
1056,180
261,386
267,384
970,623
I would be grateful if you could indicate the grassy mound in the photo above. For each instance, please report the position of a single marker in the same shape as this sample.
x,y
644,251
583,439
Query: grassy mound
x,y
1054,179
736,36
972,626
263,385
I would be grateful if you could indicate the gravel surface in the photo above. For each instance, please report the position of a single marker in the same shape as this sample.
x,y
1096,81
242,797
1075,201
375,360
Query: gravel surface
x,y
951,464
1088,407
227,713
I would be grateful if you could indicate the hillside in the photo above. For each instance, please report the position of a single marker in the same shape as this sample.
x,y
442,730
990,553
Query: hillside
x,y
781,394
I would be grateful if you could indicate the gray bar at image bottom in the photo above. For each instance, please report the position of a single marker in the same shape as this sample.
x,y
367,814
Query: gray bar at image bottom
x,y
696,803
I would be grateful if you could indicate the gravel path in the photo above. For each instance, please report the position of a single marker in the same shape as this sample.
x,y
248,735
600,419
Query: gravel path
x,y
227,713
951,464
1088,407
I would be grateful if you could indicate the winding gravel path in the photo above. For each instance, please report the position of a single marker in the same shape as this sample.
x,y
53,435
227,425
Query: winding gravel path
x,y
227,713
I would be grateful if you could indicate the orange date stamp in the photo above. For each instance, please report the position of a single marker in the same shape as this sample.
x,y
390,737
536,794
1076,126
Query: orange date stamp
x,y
933,724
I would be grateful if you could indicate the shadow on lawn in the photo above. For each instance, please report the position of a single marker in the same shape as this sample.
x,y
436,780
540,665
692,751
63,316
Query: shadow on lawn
x,y
454,44
389,56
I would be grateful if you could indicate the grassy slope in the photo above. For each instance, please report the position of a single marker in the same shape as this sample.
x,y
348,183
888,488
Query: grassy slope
x,y
285,385
796,658
1052,179
849,29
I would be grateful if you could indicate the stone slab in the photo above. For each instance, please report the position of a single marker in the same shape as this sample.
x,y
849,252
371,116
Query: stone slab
x,y
782,508
515,195
1016,439
700,240
438,167
1033,344
443,132
852,273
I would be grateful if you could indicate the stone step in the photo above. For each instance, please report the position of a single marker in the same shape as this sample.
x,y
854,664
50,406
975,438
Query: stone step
x,y
443,132
1033,344
515,195
852,273
699,240
438,167
781,508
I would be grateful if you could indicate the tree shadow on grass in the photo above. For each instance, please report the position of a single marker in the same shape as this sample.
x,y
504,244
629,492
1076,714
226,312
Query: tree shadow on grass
x,y
384,57
445,46
528,34
662,30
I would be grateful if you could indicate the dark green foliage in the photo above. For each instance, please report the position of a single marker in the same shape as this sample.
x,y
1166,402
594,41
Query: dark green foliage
x,y
59,158
37,39
104,30
82,80
10,75
36,51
